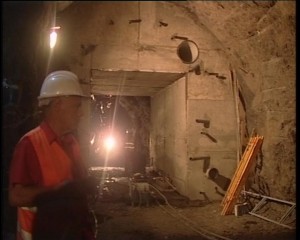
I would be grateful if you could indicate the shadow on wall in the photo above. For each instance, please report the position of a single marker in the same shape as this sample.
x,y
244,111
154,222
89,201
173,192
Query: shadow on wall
x,y
222,181
213,174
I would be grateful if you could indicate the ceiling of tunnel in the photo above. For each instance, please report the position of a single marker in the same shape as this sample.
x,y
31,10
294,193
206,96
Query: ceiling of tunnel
x,y
240,28
130,83
126,82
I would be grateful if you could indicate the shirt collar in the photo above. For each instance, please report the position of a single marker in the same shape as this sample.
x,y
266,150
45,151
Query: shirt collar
x,y
50,134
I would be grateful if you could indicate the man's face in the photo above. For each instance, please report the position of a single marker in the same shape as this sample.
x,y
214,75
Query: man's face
x,y
69,112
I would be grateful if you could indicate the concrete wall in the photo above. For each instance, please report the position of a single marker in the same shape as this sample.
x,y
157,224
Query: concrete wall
x,y
176,136
168,138
210,98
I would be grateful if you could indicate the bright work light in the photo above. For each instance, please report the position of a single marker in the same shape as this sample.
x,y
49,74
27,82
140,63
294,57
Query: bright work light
x,y
109,143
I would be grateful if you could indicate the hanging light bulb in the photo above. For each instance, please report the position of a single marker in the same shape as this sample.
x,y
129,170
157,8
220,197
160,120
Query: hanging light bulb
x,y
53,37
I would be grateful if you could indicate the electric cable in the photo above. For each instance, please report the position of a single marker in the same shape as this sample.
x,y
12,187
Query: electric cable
x,y
173,212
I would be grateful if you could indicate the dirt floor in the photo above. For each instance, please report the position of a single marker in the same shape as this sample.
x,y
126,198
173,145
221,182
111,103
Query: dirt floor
x,y
166,218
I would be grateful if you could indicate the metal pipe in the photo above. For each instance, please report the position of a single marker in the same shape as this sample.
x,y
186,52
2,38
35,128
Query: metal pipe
x,y
270,220
178,37
199,158
209,136
262,196
206,123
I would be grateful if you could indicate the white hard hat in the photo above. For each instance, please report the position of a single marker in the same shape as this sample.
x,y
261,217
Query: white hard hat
x,y
60,83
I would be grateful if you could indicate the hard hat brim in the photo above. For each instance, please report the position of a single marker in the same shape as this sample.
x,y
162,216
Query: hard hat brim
x,y
63,95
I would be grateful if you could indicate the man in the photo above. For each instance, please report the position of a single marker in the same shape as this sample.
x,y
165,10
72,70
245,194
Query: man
x,y
48,179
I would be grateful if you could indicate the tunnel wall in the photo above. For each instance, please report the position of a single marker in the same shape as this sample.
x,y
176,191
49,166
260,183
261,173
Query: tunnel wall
x,y
118,41
258,39
210,99
168,140
177,145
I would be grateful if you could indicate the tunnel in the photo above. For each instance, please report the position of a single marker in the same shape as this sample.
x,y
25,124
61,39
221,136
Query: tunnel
x,y
185,84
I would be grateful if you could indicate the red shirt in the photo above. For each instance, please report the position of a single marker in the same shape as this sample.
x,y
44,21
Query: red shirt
x,y
25,168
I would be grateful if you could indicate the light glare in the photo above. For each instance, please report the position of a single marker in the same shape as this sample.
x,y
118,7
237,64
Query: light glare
x,y
109,143
53,38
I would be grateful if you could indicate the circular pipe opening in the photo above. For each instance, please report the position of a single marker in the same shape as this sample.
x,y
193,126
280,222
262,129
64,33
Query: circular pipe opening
x,y
212,173
188,51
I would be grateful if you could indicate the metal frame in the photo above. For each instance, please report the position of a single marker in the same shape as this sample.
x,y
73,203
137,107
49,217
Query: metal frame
x,y
264,200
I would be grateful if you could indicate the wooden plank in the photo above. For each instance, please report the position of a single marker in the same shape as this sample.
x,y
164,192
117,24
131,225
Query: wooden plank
x,y
239,180
242,164
241,174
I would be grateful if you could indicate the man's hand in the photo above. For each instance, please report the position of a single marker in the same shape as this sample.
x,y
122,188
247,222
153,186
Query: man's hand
x,y
74,189
24,196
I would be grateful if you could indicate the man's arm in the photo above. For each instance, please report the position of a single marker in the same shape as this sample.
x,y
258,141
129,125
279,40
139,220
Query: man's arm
x,y
24,196
24,175
28,196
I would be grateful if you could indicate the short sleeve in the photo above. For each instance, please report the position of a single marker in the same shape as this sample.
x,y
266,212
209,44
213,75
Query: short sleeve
x,y
24,167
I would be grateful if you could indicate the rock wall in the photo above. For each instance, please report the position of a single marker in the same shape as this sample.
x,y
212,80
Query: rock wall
x,y
259,38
